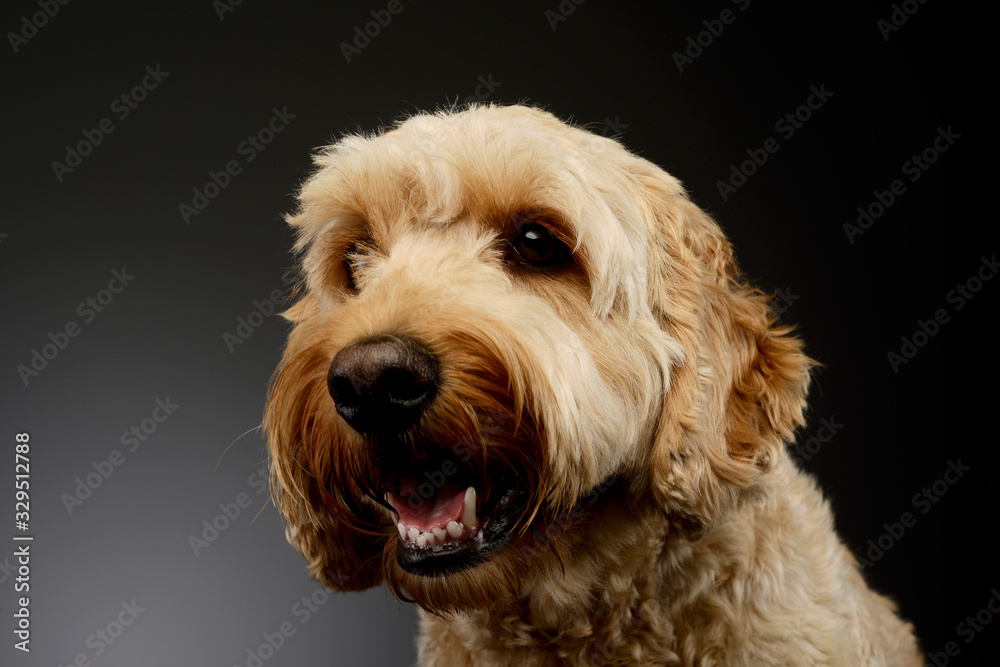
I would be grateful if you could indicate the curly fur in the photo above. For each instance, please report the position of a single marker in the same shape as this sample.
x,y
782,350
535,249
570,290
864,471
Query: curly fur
x,y
645,388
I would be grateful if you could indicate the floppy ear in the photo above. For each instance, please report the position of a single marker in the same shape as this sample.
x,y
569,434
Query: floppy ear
x,y
336,554
303,453
741,391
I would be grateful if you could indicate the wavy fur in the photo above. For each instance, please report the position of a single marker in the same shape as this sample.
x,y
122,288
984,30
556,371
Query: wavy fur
x,y
645,392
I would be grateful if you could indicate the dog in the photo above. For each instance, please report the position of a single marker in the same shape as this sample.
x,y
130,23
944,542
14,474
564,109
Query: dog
x,y
528,389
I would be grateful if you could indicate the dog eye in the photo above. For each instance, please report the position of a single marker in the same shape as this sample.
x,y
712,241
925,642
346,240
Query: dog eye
x,y
354,260
538,247
349,272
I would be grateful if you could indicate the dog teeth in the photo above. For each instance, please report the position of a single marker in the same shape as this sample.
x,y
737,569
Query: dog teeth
x,y
411,534
469,509
453,531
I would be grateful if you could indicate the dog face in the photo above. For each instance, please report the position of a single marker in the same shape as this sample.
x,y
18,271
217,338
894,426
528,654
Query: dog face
x,y
508,328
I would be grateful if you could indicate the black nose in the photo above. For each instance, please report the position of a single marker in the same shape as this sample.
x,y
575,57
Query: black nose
x,y
382,385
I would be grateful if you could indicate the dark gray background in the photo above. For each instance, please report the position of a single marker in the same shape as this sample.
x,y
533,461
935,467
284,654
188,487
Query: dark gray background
x,y
162,336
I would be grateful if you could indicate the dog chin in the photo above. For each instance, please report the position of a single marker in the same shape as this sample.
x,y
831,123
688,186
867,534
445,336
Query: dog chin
x,y
478,572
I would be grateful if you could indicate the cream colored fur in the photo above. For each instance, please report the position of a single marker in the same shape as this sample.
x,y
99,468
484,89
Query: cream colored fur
x,y
669,525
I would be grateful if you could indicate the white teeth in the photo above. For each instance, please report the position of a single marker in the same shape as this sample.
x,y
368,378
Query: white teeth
x,y
454,530
469,508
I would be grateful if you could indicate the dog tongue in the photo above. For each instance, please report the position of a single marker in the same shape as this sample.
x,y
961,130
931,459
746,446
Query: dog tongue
x,y
425,513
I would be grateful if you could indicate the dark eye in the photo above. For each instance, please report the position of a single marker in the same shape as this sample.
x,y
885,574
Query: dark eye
x,y
354,260
537,246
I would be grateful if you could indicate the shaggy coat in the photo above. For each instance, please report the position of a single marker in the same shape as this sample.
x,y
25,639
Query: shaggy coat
x,y
630,391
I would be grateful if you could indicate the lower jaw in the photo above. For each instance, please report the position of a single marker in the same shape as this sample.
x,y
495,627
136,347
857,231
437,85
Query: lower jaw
x,y
442,559
488,538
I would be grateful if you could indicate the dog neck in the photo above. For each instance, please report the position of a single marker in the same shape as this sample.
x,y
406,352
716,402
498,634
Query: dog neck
x,y
593,582
631,586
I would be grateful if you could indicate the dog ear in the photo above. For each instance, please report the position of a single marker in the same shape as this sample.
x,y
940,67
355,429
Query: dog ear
x,y
340,556
740,393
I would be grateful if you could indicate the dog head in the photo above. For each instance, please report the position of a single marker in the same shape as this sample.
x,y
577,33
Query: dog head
x,y
507,326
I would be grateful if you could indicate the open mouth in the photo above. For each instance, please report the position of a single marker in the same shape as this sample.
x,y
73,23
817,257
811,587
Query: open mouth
x,y
449,522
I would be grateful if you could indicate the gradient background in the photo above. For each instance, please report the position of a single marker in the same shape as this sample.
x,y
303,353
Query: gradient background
x,y
163,335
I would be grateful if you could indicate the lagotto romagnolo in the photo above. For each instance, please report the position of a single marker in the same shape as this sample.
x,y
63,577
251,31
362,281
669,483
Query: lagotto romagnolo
x,y
528,389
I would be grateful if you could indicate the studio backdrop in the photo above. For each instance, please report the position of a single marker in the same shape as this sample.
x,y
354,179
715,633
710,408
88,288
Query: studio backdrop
x,y
151,152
